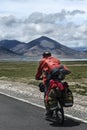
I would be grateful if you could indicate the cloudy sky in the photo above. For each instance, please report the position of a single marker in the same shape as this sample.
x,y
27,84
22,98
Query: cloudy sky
x,y
62,20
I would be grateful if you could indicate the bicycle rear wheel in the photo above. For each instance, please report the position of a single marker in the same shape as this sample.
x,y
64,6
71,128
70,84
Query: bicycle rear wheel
x,y
60,116
59,112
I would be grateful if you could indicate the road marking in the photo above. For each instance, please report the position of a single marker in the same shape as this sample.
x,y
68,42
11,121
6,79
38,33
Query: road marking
x,y
35,104
76,118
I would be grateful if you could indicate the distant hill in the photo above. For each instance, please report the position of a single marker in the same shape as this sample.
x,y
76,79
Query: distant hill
x,y
12,45
39,45
6,53
36,47
84,48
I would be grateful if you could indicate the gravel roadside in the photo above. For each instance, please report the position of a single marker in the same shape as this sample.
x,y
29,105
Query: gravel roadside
x,y
31,93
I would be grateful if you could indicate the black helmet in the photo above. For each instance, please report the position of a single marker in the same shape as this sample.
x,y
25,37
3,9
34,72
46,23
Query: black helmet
x,y
46,54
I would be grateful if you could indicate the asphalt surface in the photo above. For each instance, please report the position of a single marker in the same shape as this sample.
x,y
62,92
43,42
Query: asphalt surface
x,y
18,115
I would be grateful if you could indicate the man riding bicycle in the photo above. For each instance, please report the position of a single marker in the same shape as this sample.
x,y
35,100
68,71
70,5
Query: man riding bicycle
x,y
47,67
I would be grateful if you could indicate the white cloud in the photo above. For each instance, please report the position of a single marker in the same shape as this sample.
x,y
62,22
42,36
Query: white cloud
x,y
45,24
64,21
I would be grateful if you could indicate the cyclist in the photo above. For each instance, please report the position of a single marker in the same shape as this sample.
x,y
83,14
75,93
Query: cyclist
x,y
46,64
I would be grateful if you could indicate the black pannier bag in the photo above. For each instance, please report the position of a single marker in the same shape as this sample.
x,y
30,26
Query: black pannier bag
x,y
41,87
67,98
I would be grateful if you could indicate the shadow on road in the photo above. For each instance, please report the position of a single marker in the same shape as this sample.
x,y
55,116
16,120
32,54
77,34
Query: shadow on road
x,y
67,123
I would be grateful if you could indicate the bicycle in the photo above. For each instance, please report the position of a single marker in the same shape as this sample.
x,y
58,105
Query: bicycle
x,y
58,102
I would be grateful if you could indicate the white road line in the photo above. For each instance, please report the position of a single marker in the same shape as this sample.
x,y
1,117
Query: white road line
x,y
76,118
26,101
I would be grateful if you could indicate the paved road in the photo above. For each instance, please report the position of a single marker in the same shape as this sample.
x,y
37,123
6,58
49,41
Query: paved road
x,y
17,115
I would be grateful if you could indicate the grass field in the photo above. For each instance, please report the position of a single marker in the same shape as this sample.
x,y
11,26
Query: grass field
x,y
25,72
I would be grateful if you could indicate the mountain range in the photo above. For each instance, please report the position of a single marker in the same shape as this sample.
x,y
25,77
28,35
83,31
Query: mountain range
x,y
35,48
83,48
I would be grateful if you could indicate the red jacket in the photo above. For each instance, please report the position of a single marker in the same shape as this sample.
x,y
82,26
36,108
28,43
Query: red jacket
x,y
46,65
